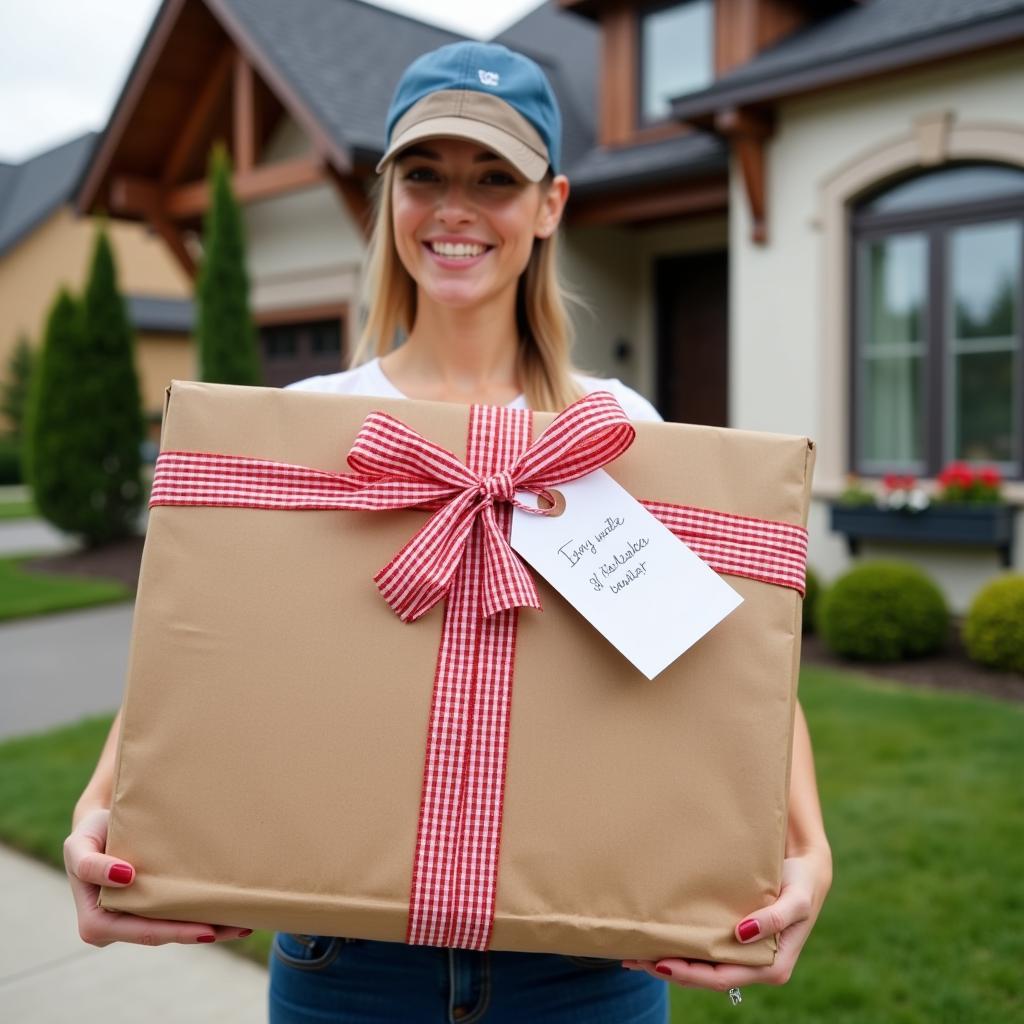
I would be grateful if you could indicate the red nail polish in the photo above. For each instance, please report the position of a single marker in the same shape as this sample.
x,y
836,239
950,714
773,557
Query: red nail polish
x,y
245,931
662,969
207,938
749,929
120,873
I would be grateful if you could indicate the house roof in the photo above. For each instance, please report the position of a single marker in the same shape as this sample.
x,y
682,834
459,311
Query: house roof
x,y
342,57
872,37
161,314
31,191
330,52
335,64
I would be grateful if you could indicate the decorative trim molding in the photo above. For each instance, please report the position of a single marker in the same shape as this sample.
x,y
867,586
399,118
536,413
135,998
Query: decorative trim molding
x,y
933,139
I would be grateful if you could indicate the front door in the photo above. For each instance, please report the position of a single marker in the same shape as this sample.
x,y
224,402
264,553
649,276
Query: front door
x,y
692,300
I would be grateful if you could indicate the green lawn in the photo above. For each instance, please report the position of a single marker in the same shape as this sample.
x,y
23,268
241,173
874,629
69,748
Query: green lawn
x,y
32,593
924,802
17,510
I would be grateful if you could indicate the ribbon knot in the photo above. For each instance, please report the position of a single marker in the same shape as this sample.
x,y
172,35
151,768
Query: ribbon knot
x,y
400,468
499,487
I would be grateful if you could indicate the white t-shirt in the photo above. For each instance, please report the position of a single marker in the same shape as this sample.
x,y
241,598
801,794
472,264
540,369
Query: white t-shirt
x,y
370,380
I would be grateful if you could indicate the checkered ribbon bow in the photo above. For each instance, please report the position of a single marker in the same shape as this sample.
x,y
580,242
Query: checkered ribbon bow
x,y
400,468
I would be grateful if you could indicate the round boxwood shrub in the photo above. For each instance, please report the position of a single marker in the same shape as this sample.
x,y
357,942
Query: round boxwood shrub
x,y
811,595
883,611
993,629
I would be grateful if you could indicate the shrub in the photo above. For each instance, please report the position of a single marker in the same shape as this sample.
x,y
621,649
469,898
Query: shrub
x,y
10,461
14,388
811,597
993,629
225,333
883,611
85,421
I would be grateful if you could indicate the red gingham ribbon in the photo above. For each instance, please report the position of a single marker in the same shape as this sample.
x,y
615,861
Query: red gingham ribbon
x,y
396,467
455,867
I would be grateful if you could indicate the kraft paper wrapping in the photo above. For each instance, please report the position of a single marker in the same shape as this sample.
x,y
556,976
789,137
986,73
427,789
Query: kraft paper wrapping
x,y
271,752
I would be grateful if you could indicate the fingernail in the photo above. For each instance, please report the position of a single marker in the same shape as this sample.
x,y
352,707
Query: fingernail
x,y
120,873
245,931
207,938
749,929
662,969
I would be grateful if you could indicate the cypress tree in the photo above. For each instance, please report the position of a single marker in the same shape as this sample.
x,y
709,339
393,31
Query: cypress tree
x,y
14,389
85,422
226,337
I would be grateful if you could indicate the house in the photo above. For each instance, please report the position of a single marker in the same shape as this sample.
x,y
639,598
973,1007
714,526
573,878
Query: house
x,y
792,216
44,245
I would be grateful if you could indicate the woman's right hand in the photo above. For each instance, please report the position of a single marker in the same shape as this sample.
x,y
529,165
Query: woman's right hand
x,y
89,867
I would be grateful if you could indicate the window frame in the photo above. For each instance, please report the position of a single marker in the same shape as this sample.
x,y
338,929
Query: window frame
x,y
640,122
935,224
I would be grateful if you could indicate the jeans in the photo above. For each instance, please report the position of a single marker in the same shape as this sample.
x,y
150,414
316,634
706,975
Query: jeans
x,y
360,981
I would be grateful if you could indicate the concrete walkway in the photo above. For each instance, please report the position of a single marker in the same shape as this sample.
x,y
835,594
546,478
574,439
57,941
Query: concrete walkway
x,y
60,668
49,976
32,536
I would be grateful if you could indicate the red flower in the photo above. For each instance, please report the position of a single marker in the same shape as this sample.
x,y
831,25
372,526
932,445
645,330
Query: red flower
x,y
990,476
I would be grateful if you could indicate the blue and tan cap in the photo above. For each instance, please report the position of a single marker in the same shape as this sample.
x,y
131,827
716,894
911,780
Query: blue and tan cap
x,y
482,92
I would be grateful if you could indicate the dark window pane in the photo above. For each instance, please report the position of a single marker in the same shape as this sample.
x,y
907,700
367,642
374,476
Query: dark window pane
x,y
326,337
896,290
892,285
280,342
985,342
962,184
984,427
676,55
984,269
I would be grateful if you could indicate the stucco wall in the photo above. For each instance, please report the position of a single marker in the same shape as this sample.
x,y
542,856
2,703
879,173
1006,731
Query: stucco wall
x,y
159,359
304,249
58,253
612,269
788,298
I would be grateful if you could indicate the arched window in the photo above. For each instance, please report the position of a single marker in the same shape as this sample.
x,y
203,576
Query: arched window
x,y
937,359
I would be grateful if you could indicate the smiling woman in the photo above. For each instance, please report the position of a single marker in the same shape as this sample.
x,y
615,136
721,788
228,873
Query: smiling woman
x,y
462,269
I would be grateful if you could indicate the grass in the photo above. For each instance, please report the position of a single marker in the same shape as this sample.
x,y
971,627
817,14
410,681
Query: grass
x,y
925,810
17,510
25,593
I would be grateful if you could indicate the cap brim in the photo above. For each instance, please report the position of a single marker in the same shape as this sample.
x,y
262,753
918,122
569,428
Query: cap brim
x,y
528,162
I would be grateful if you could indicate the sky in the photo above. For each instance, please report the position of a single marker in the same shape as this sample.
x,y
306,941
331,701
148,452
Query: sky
x,y
63,62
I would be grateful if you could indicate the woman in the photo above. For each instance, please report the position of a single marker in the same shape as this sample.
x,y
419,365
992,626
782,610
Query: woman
x,y
463,263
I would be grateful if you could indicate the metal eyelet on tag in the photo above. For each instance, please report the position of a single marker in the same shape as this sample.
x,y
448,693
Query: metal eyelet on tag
x,y
551,502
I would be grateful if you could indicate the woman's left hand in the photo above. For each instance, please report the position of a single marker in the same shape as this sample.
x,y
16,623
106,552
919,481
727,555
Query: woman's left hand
x,y
806,878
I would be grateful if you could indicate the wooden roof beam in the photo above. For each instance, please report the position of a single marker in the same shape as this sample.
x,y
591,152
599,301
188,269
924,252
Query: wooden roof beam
x,y
353,195
748,132
195,128
638,206
131,195
136,196
244,115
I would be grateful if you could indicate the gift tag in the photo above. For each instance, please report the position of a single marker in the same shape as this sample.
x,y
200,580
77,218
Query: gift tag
x,y
622,570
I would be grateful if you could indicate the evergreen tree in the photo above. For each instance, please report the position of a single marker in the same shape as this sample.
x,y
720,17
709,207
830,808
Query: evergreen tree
x,y
227,339
14,388
86,423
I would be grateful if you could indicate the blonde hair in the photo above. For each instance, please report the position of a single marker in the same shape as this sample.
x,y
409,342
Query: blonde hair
x,y
544,365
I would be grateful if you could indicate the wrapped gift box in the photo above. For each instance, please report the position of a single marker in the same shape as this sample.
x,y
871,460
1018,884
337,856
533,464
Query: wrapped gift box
x,y
271,757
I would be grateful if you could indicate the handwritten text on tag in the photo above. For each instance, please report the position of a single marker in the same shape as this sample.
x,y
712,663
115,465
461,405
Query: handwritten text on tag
x,y
624,571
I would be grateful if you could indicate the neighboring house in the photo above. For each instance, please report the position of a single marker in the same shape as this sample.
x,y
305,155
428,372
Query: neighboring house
x,y
775,205
44,245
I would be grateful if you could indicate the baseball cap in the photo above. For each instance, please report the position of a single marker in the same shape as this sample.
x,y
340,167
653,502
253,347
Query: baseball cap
x,y
483,92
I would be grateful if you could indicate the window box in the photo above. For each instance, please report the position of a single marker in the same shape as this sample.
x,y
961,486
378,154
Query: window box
x,y
940,523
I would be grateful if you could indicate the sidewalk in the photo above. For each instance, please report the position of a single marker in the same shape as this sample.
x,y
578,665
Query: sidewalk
x,y
59,668
34,536
49,976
